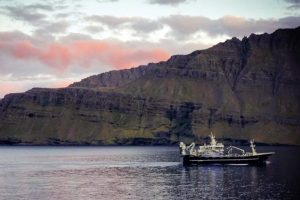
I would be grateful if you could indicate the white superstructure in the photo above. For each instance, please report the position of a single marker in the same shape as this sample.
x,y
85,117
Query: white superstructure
x,y
213,149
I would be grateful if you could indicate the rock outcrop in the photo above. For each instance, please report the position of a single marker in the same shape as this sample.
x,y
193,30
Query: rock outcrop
x,y
239,89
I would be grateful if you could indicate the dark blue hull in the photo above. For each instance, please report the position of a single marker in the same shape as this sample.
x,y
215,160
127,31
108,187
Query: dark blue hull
x,y
245,159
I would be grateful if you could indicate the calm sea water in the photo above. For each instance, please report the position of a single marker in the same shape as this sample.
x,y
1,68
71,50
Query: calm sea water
x,y
140,173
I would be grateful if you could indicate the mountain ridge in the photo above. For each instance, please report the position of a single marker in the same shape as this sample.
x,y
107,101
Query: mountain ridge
x,y
142,69
240,89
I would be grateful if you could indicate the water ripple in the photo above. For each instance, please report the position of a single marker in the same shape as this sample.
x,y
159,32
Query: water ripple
x,y
138,173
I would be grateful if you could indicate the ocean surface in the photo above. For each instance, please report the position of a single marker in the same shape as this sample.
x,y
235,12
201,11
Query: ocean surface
x,y
140,173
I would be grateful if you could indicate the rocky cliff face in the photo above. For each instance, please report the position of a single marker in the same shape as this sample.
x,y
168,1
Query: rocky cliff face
x,y
239,89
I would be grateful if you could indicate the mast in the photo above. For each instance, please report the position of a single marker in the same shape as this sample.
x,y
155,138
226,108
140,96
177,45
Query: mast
x,y
252,145
213,141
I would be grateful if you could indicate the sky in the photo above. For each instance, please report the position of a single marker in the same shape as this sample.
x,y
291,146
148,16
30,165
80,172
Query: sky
x,y
52,43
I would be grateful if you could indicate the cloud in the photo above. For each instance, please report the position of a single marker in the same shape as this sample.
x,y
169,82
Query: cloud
x,y
94,29
293,1
37,15
36,77
62,15
145,26
13,36
105,1
50,28
110,21
39,6
61,56
183,26
71,37
293,4
168,2
26,14
139,24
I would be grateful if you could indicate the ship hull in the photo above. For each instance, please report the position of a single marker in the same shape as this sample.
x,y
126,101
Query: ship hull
x,y
245,159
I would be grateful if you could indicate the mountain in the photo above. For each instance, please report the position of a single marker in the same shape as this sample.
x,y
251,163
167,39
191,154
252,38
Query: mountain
x,y
239,89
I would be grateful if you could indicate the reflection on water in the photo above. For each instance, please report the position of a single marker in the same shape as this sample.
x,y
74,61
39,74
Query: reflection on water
x,y
139,173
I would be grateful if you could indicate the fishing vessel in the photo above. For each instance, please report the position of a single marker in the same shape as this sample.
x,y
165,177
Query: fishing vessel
x,y
216,153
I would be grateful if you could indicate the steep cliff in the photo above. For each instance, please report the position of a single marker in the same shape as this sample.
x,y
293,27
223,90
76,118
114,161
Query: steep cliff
x,y
239,89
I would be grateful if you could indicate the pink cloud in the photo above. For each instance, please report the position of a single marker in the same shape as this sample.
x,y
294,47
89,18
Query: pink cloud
x,y
56,55
84,53
23,49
